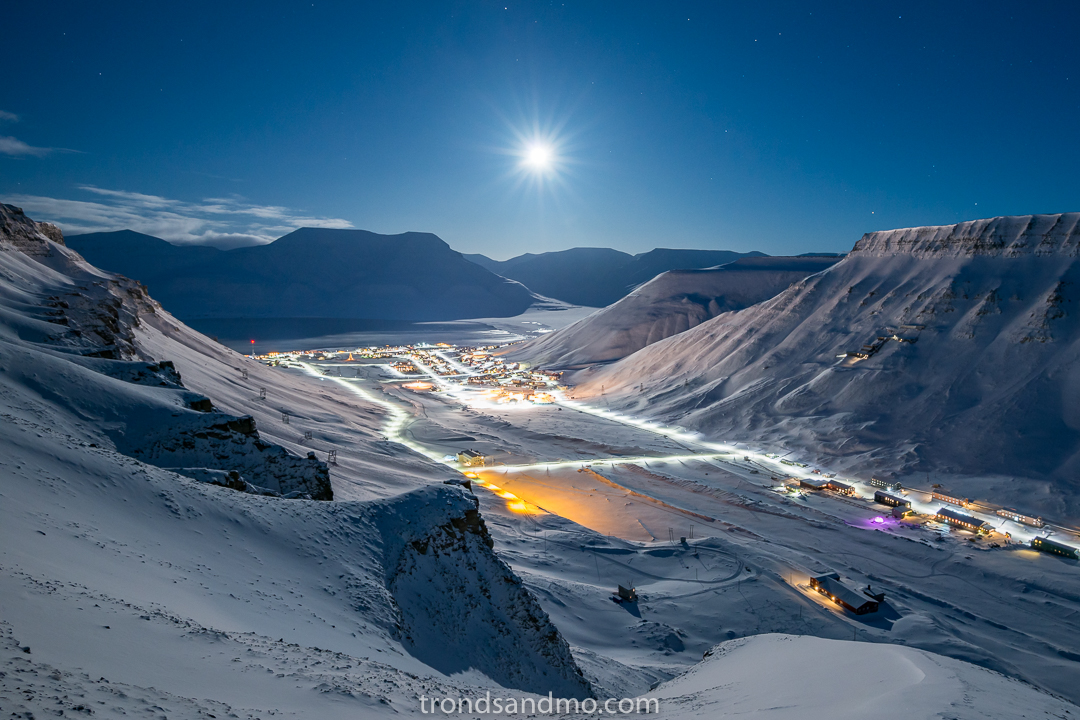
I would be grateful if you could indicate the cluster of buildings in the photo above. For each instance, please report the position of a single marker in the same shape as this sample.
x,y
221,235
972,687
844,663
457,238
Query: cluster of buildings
x,y
949,512
508,381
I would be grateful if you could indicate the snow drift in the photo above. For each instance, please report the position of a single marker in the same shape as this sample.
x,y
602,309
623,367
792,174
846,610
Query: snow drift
x,y
938,349
667,305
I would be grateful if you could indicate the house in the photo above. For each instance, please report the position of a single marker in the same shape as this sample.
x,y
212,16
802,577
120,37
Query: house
x,y
830,586
813,483
627,594
959,519
471,458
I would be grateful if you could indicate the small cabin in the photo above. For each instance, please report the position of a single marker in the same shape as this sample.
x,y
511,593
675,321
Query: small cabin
x,y
471,458
627,594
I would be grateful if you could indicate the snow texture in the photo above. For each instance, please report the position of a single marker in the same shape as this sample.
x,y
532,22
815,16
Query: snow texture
x,y
667,305
970,341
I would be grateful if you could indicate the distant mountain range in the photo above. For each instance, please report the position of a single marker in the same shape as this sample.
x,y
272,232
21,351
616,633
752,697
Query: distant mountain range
x,y
670,303
597,277
311,273
355,274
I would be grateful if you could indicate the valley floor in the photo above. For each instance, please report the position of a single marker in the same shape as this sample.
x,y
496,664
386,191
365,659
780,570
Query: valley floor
x,y
575,532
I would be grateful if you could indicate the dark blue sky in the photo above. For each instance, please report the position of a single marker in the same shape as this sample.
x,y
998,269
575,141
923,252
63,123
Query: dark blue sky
x,y
781,127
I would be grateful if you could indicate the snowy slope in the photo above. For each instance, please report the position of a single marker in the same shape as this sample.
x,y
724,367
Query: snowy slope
x,y
809,677
127,589
989,387
670,303
90,510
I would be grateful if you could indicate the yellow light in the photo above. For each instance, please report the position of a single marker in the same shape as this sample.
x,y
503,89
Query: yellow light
x,y
517,506
508,495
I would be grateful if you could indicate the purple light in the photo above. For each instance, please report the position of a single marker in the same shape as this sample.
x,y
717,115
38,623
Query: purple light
x,y
878,519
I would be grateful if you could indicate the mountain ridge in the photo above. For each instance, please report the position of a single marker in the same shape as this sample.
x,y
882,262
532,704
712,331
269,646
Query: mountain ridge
x,y
948,357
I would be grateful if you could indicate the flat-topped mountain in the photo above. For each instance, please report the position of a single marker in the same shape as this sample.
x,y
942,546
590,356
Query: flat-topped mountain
x,y
597,277
311,273
950,349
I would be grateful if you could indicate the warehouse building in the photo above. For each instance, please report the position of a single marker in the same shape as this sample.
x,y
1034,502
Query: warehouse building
x,y
1017,516
1047,545
830,586
891,500
959,519
949,497
837,486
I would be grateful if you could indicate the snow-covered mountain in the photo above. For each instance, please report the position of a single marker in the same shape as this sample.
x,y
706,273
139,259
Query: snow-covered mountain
x,y
119,424
311,273
597,277
947,349
670,303
129,589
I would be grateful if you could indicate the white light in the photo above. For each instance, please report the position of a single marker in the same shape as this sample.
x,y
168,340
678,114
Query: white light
x,y
538,156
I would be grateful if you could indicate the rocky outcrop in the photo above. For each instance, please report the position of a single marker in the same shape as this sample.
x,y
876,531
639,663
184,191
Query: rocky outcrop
x,y
996,237
460,607
82,326
231,444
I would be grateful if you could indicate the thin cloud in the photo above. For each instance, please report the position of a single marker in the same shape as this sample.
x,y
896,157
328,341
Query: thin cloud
x,y
16,147
221,222
8,117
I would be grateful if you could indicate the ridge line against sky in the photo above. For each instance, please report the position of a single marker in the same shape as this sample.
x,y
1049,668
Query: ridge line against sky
x,y
777,127
221,222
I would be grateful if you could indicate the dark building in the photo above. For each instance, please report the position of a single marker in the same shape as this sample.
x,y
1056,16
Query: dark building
x,y
830,586
891,500
1047,545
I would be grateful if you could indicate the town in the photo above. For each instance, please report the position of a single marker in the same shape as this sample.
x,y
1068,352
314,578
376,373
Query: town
x,y
477,377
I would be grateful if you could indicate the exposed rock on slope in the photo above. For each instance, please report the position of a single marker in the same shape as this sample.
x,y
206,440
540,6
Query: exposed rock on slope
x,y
68,341
462,608
311,273
667,305
989,386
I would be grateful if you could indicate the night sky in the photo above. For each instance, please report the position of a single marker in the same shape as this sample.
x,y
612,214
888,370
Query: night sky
x,y
780,127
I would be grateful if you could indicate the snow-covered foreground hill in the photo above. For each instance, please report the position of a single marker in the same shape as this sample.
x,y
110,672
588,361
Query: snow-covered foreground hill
x,y
128,589
667,305
960,350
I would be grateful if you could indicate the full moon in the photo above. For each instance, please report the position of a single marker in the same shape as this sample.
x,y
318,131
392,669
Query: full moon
x,y
538,157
